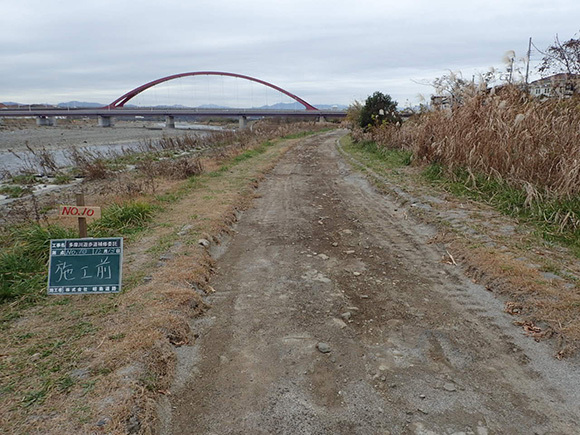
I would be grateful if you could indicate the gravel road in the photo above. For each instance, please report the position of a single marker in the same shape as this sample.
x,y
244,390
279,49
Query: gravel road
x,y
334,314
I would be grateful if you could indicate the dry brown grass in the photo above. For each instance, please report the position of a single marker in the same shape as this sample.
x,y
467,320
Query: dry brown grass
x,y
524,141
520,151
549,305
178,169
96,364
92,166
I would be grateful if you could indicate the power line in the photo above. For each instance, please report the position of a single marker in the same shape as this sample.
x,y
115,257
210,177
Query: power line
x,y
539,51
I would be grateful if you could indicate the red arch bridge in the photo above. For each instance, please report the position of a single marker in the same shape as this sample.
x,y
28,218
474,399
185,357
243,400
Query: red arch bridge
x,y
47,115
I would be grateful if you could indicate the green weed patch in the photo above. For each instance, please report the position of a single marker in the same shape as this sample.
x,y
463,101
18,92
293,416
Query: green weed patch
x,y
26,179
24,258
15,191
122,219
376,156
62,178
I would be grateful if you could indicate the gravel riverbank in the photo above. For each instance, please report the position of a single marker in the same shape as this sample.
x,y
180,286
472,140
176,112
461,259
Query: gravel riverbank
x,y
16,136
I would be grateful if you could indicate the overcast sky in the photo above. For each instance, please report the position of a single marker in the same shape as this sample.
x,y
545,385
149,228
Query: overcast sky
x,y
325,51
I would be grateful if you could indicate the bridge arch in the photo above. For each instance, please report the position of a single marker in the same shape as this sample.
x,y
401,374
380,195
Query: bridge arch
x,y
122,100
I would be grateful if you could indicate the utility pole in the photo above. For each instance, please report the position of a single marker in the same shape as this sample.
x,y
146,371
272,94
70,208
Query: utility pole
x,y
528,64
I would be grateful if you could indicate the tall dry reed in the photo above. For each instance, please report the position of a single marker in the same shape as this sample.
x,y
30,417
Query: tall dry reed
x,y
531,144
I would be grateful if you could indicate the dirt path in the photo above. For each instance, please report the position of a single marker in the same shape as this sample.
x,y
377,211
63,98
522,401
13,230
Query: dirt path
x,y
333,314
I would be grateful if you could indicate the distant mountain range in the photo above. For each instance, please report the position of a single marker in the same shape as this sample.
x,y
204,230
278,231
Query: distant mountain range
x,y
77,104
89,105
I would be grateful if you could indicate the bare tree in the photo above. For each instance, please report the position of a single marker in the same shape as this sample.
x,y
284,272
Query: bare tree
x,y
561,57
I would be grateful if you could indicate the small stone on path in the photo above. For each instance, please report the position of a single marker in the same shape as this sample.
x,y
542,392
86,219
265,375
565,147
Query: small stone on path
x,y
449,387
204,242
323,347
103,421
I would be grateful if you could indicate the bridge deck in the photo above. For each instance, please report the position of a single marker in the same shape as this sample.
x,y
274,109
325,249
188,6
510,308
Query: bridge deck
x,y
170,112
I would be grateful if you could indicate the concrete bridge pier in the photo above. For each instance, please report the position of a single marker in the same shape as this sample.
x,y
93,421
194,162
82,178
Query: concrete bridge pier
x,y
243,122
45,121
105,121
170,121
321,120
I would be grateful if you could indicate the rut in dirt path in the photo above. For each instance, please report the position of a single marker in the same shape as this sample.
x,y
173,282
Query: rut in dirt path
x,y
333,314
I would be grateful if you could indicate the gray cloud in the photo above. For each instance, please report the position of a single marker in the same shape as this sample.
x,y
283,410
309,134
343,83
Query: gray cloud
x,y
324,51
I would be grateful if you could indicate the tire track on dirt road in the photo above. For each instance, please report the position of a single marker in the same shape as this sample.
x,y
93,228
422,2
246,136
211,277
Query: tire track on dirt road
x,y
334,314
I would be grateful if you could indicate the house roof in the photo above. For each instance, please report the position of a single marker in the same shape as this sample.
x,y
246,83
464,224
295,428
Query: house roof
x,y
555,78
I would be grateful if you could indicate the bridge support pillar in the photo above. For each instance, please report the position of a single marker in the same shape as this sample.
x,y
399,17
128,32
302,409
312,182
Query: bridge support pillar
x,y
321,120
105,121
170,121
45,121
243,122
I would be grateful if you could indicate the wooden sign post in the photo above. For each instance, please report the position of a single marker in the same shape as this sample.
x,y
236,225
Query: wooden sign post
x,y
82,220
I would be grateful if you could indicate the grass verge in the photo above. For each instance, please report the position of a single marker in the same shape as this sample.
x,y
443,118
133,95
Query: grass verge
x,y
90,364
377,158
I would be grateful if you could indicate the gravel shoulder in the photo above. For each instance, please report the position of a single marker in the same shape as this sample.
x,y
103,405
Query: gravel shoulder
x,y
334,313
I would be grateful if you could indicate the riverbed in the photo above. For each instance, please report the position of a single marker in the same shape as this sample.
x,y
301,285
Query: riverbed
x,y
20,141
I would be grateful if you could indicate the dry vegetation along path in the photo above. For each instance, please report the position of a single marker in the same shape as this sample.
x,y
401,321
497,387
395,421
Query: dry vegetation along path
x,y
334,314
